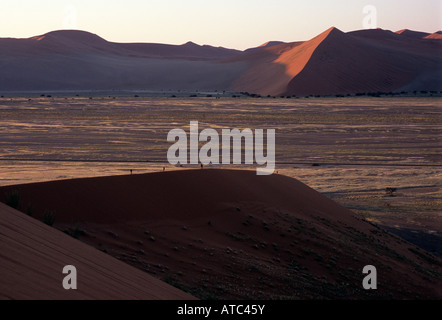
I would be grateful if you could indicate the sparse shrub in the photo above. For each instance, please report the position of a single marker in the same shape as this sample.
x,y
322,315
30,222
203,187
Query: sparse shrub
x,y
76,232
390,191
49,217
173,281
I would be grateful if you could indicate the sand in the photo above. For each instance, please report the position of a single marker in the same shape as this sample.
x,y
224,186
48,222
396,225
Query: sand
x,y
412,33
436,35
33,255
233,234
331,63
347,63
78,60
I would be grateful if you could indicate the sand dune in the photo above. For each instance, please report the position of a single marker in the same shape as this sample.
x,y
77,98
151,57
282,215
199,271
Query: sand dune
x,y
331,63
356,62
154,195
267,44
32,257
75,41
233,234
77,60
412,34
263,75
436,35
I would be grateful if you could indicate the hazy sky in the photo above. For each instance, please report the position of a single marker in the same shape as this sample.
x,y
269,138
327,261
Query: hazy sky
x,y
236,24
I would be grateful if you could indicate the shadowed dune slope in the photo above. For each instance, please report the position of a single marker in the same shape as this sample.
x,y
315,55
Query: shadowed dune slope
x,y
33,255
81,42
412,33
182,195
232,234
78,60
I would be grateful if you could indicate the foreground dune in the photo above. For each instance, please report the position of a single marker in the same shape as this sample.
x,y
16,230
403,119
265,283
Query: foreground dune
x,y
33,255
232,234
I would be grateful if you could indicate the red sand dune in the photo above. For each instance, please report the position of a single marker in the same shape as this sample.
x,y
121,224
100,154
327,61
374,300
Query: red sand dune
x,y
267,44
75,41
356,62
233,234
33,255
270,44
436,35
77,60
263,75
331,63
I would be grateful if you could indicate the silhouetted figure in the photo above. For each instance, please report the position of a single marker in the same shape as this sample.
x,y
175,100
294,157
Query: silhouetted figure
x,y
130,171
201,165
164,169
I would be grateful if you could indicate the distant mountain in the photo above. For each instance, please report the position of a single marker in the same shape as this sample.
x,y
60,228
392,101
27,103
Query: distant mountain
x,y
331,63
